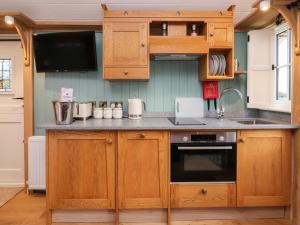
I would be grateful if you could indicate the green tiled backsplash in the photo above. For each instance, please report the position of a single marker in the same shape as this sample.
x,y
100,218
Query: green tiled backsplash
x,y
167,81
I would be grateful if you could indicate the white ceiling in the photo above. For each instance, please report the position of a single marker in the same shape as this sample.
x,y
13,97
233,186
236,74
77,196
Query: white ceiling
x,y
90,10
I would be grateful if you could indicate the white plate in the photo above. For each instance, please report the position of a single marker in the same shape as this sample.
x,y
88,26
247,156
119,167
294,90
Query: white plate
x,y
219,65
224,64
215,67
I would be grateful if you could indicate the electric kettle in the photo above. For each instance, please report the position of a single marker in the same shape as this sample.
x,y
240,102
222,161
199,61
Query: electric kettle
x,y
135,108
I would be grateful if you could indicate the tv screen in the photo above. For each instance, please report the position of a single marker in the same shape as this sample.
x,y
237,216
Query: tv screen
x,y
68,51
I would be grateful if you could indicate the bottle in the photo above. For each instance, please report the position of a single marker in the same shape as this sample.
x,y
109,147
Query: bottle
x,y
164,29
194,30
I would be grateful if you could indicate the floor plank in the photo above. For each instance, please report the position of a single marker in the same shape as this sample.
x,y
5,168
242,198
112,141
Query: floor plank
x,y
31,210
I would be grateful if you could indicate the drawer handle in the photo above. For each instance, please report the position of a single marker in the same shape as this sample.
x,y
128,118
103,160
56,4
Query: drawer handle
x,y
125,13
203,191
125,73
109,141
178,13
142,135
143,45
211,34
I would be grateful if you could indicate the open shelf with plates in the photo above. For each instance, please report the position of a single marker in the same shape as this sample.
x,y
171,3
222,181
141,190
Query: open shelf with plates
x,y
217,64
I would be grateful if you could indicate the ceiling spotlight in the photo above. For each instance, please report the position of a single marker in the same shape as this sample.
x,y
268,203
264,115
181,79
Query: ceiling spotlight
x,y
265,5
9,20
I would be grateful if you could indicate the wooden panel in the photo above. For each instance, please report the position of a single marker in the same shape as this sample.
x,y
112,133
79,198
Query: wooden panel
x,y
186,214
264,168
235,222
83,216
177,29
168,14
143,169
81,169
125,73
178,45
220,34
143,215
125,44
203,195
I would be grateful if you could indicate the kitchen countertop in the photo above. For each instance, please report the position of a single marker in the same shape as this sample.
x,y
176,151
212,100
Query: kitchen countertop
x,y
162,124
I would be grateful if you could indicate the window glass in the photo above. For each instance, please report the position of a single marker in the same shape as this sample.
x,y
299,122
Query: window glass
x,y
5,75
283,68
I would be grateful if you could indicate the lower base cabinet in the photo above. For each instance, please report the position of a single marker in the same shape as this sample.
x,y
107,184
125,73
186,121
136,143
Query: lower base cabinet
x,y
203,195
263,168
81,170
143,168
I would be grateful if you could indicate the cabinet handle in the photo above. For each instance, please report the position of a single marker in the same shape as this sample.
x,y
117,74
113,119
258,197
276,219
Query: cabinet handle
x,y
126,73
125,13
109,141
242,140
143,45
211,34
203,191
142,135
178,13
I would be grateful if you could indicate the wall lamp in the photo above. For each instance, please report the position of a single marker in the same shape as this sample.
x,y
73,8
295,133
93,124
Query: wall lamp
x,y
9,20
265,5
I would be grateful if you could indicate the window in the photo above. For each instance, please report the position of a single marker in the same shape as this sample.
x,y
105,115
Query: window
x,y
283,63
5,75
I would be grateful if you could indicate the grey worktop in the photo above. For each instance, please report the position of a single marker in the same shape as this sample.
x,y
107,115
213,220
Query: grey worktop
x,y
160,124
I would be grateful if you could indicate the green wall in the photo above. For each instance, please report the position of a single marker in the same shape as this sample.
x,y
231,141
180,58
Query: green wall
x,y
168,80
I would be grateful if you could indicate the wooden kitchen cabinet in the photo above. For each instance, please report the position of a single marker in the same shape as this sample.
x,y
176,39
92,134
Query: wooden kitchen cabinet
x,y
81,170
143,168
125,50
263,168
220,34
203,195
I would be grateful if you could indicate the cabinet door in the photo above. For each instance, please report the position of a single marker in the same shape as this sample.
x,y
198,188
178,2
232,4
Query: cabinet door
x,y
220,34
81,170
125,44
143,168
264,168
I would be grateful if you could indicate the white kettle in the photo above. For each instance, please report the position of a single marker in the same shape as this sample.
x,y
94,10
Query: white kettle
x,y
135,108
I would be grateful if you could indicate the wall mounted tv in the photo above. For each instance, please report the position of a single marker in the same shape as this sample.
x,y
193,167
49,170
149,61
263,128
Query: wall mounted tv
x,y
68,51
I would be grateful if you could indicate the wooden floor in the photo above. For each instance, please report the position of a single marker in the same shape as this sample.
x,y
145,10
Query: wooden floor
x,y
24,210
30,210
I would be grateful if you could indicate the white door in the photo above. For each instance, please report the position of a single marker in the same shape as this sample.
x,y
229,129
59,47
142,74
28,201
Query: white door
x,y
11,115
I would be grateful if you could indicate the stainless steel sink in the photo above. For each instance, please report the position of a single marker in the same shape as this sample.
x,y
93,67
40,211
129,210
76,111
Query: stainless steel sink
x,y
254,121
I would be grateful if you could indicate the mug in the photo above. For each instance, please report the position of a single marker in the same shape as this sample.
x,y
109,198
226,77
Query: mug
x,y
98,113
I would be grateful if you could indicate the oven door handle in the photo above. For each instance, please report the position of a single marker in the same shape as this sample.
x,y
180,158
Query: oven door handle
x,y
204,148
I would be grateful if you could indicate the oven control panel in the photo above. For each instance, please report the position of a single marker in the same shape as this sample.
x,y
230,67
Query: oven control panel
x,y
204,137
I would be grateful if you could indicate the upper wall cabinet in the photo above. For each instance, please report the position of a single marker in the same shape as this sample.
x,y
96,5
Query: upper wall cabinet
x,y
131,37
220,34
125,50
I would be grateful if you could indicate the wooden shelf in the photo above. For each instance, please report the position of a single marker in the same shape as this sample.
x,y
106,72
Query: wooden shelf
x,y
219,77
240,72
178,45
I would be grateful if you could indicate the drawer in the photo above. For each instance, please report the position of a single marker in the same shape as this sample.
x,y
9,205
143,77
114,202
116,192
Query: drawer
x,y
203,195
126,73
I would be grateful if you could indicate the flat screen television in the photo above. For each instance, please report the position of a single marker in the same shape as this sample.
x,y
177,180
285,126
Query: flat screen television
x,y
67,51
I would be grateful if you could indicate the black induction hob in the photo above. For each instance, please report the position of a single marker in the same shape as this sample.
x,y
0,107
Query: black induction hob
x,y
185,121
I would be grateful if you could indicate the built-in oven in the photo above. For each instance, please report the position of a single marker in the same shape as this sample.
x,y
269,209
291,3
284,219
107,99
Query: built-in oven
x,y
203,156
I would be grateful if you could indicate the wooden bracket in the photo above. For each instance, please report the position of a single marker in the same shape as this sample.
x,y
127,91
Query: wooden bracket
x,y
231,8
297,47
25,34
104,7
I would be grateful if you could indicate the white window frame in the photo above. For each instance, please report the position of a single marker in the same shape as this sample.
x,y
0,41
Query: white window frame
x,y
280,105
11,91
261,80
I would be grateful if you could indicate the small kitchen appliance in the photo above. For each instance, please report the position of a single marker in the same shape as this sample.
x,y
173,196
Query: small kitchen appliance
x,y
63,112
83,110
135,108
203,156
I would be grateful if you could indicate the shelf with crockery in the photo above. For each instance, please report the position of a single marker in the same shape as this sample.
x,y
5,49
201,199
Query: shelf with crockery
x,y
217,65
